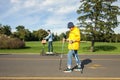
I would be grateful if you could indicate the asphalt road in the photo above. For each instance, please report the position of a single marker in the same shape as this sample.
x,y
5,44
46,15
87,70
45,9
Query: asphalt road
x,y
29,66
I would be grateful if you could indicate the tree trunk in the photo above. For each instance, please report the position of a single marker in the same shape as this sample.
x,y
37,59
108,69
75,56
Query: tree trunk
x,y
92,45
116,39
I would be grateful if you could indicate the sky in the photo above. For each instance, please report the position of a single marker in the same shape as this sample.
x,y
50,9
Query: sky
x,y
41,14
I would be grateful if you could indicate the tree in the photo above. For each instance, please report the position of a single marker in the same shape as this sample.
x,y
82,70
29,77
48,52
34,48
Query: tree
x,y
5,29
99,17
22,33
1,28
62,35
40,34
20,27
56,37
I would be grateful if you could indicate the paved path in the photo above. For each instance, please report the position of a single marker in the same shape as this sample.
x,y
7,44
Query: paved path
x,y
20,67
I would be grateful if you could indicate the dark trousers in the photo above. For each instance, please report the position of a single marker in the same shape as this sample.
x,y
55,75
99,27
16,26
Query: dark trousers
x,y
50,46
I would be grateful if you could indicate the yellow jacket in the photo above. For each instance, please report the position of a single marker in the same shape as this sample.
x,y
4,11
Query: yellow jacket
x,y
74,35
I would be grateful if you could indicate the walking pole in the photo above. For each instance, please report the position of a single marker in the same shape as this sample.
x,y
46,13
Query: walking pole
x,y
61,56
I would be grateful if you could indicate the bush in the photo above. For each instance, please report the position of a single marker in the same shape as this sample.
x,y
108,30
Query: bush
x,y
10,43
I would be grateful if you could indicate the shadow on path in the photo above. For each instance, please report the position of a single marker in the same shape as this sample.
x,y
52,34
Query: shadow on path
x,y
83,63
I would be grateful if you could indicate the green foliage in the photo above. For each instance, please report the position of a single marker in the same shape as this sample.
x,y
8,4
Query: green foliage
x,y
99,18
20,27
22,33
5,29
40,34
112,38
56,37
10,43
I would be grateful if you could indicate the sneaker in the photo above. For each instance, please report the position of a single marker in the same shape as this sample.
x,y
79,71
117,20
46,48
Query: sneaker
x,y
68,70
47,52
51,52
77,68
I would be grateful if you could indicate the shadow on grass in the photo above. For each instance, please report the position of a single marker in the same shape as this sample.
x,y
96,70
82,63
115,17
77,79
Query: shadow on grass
x,y
16,48
22,48
26,47
101,48
105,48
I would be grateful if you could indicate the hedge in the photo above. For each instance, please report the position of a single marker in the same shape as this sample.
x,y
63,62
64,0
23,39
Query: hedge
x,y
7,42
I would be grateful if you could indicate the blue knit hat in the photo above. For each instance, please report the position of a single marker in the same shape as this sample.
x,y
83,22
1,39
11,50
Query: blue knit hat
x,y
70,25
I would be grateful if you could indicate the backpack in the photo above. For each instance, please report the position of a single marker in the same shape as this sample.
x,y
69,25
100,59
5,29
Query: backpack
x,y
52,37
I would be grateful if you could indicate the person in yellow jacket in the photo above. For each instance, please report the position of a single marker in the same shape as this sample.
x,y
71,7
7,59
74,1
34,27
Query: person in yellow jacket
x,y
73,46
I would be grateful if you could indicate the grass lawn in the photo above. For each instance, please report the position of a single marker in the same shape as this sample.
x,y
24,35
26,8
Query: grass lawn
x,y
35,47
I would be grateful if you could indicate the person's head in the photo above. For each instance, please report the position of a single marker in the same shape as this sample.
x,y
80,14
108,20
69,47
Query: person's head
x,y
70,25
48,31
